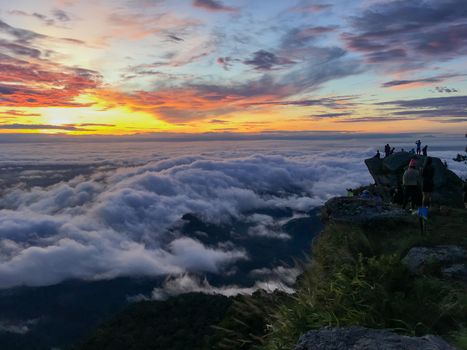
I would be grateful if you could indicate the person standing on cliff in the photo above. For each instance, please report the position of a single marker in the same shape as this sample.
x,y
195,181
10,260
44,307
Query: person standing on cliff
x,y
419,144
428,174
425,150
387,150
411,183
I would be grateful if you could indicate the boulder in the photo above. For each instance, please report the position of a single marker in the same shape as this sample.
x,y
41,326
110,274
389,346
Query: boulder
x,y
456,271
359,338
387,173
357,210
450,258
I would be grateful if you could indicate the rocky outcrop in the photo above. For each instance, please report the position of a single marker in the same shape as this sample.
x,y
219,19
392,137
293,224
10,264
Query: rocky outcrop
x,y
355,210
359,338
387,173
449,259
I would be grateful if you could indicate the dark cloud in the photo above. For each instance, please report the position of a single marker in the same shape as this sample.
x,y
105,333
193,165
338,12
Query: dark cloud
x,y
18,113
61,15
445,89
57,15
175,38
213,5
371,119
20,35
330,102
265,60
438,108
431,102
20,50
226,62
414,33
95,124
394,83
43,18
329,115
38,127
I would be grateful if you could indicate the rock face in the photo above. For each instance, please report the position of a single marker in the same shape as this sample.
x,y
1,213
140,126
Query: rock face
x,y
451,259
359,338
358,210
387,173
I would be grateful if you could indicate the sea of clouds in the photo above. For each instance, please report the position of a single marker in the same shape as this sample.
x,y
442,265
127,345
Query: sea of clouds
x,y
121,216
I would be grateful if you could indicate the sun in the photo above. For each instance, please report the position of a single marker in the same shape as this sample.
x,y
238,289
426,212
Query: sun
x,y
59,116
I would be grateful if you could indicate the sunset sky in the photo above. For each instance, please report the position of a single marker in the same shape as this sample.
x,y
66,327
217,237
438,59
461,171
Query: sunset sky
x,y
195,66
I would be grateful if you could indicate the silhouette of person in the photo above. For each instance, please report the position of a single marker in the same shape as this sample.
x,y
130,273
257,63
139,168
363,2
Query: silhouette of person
x,y
378,155
387,150
411,183
425,150
419,144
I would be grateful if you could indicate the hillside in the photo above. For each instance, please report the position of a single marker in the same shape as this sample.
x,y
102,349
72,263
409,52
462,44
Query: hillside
x,y
371,267
182,322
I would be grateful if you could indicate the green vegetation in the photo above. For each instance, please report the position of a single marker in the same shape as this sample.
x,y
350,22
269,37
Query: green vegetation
x,y
180,323
356,277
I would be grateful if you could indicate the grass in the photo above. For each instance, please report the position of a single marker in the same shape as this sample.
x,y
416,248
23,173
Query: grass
x,y
357,278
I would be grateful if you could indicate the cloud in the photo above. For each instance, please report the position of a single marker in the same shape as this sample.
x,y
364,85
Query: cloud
x,y
38,127
330,115
430,102
126,221
434,107
372,119
226,62
213,5
264,60
418,82
266,226
18,113
16,327
408,35
35,83
445,89
193,284
218,121
21,36
61,15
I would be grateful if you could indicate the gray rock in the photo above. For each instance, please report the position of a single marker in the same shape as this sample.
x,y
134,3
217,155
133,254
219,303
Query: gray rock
x,y
359,338
397,161
456,271
419,258
356,210
387,173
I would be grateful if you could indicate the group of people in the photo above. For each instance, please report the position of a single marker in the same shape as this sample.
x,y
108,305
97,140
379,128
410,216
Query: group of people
x,y
388,150
420,150
418,184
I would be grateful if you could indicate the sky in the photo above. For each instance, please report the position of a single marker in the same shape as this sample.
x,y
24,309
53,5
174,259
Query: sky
x,y
125,67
